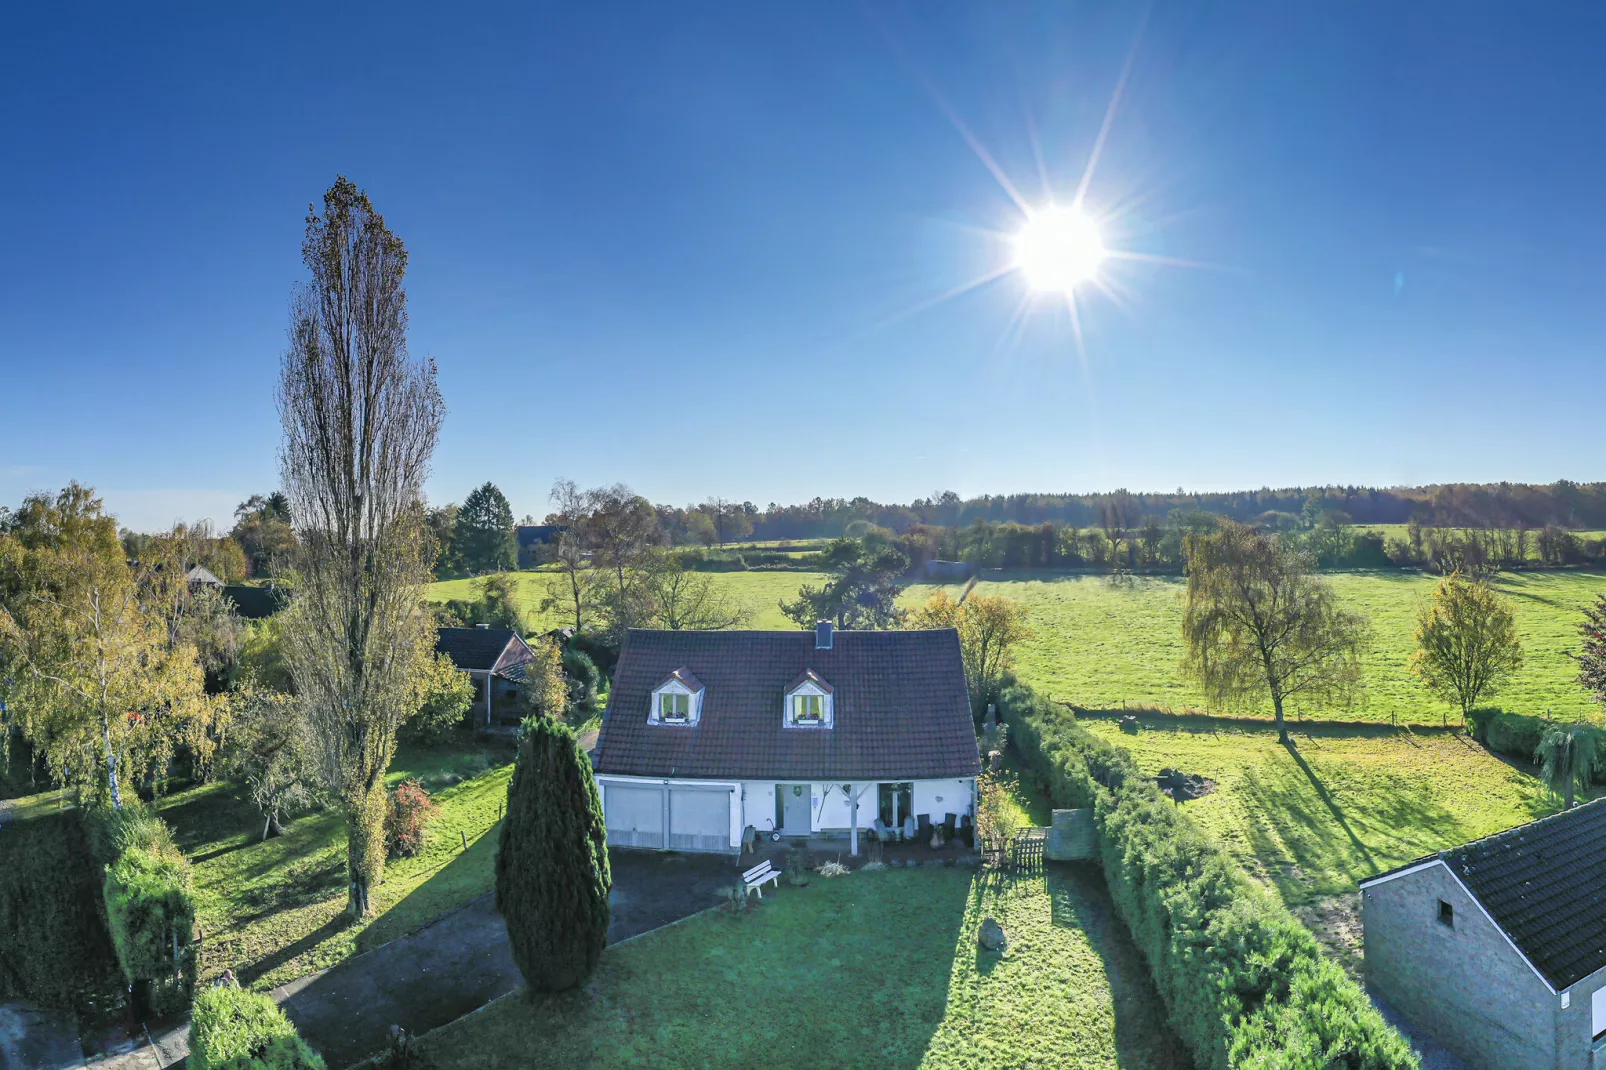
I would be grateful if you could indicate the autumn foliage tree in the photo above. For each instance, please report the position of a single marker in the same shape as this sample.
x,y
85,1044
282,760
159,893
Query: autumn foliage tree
x,y
361,420
552,874
989,630
1466,642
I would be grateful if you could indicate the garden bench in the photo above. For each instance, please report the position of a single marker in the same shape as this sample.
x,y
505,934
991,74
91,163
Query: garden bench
x,y
755,878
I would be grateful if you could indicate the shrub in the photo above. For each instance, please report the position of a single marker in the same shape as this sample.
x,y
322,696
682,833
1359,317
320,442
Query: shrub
x,y
54,948
232,1029
583,679
552,875
150,905
1515,735
409,810
1244,983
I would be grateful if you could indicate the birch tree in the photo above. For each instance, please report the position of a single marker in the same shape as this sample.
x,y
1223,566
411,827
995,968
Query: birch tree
x,y
360,419
1258,626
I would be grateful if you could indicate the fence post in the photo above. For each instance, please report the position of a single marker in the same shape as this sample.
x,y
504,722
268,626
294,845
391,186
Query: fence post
x,y
463,834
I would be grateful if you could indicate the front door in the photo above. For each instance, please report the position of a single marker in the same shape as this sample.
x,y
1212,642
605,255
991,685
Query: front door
x,y
792,808
894,801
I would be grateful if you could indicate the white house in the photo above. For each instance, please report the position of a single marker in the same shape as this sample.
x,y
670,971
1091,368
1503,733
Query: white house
x,y
791,733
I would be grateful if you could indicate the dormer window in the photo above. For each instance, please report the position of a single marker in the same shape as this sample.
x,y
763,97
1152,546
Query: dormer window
x,y
677,700
674,707
808,702
808,710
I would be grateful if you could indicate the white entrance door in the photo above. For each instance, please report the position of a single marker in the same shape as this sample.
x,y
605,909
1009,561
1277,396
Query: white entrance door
x,y
635,816
699,819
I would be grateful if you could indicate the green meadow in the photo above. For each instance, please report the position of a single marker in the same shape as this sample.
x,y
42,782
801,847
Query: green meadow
x,y
1104,643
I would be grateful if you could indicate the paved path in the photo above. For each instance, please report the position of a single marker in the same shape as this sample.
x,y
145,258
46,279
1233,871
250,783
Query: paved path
x,y
459,962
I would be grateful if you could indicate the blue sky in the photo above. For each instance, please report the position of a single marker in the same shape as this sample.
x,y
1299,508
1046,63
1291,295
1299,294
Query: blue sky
x,y
694,247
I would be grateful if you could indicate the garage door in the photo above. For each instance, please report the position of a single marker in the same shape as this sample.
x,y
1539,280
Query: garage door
x,y
699,820
635,816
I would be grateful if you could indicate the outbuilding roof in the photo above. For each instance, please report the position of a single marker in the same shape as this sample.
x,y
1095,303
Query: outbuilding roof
x,y
901,710
480,649
1541,883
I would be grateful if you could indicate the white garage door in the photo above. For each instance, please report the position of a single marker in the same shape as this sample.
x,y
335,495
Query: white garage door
x,y
699,820
635,816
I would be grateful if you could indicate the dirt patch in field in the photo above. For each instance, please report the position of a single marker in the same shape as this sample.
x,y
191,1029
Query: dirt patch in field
x,y
1335,921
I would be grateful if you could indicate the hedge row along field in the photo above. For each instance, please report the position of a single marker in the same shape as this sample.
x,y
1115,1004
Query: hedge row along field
x,y
1243,982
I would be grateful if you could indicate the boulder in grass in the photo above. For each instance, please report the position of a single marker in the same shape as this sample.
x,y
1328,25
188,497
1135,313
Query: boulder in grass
x,y
991,937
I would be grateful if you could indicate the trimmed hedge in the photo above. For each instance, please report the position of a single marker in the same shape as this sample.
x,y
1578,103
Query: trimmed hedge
x,y
1517,735
150,904
53,944
1244,983
232,1029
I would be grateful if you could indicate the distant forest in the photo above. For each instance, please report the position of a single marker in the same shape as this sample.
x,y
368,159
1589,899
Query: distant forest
x,y
1565,504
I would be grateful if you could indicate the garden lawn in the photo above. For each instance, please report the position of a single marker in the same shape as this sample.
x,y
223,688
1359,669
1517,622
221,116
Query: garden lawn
x,y
759,591
1345,804
872,969
1102,643
274,910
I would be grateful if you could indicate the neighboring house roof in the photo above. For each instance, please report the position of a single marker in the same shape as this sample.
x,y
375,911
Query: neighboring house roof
x,y
255,603
1540,882
498,650
530,534
901,709
202,574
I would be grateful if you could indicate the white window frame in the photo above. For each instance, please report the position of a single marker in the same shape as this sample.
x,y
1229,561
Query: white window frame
x,y
1597,1012
807,690
694,705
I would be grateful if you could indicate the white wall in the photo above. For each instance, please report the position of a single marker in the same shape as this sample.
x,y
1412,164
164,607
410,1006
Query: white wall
x,y
758,804
939,797
835,812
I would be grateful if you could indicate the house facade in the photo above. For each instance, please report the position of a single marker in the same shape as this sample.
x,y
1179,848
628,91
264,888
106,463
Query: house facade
x,y
790,733
494,659
533,540
1498,947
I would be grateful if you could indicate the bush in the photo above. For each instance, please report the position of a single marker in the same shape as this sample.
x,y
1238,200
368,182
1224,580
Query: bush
x,y
54,949
150,904
552,875
583,680
1515,735
409,810
232,1029
1244,983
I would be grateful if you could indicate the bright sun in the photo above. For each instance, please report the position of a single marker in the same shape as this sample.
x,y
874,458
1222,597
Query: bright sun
x,y
1058,249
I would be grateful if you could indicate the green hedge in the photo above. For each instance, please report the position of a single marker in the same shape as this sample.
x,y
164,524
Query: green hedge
x,y
232,1029
150,903
1517,735
1244,983
53,944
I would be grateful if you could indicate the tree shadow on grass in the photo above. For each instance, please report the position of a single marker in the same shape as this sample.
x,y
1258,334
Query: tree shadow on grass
x,y
1143,1038
464,878
269,963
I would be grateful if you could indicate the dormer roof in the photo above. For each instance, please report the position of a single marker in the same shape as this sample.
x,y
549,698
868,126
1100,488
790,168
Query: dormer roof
x,y
809,676
684,678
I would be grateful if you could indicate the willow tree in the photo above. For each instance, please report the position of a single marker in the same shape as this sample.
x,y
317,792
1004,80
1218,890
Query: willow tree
x,y
360,419
1258,626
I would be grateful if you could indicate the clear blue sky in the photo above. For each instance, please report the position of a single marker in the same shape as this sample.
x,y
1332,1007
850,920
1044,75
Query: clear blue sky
x,y
687,246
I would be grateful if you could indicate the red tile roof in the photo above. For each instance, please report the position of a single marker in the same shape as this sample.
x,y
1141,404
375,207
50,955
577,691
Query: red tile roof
x,y
900,707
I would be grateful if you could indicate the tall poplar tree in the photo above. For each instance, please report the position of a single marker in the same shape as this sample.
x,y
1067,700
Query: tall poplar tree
x,y
361,419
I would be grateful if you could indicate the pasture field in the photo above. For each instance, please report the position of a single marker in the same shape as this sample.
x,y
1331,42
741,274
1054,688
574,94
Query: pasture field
x,y
760,591
1345,803
1102,642
871,969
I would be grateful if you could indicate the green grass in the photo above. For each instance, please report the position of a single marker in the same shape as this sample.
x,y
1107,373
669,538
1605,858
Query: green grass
x,y
274,910
1102,643
1345,804
869,969
759,591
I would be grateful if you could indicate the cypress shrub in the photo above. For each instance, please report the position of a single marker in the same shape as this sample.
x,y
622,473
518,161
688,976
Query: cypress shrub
x,y
1243,982
232,1029
54,948
552,875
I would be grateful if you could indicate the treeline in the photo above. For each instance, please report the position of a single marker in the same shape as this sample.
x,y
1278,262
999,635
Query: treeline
x,y
1563,503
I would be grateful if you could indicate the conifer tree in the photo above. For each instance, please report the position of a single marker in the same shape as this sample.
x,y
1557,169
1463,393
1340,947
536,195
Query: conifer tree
x,y
552,875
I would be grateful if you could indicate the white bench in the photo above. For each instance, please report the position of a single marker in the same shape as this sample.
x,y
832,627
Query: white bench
x,y
759,875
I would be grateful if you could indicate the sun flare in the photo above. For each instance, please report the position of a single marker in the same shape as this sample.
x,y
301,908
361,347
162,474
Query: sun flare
x,y
1058,249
